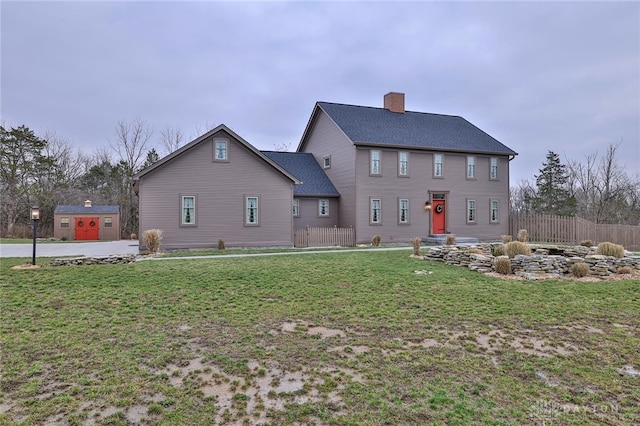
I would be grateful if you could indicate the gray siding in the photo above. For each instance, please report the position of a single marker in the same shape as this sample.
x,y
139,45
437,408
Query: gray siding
x,y
324,139
220,189
389,188
309,214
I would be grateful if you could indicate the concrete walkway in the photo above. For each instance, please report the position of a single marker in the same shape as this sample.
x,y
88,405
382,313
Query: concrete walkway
x,y
95,248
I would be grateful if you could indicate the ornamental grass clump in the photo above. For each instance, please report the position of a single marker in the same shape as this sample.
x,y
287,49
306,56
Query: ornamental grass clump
x,y
506,239
376,240
580,269
451,240
416,245
523,235
221,245
586,243
503,265
515,248
624,270
610,249
498,251
152,239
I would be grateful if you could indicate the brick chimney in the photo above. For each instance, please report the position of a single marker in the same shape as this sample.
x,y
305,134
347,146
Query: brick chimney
x,y
394,102
87,203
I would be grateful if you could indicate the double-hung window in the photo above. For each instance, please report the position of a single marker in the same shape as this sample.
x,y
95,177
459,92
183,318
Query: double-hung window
x,y
296,207
220,151
64,222
437,165
403,213
494,211
471,167
493,168
326,162
403,163
471,211
376,211
323,207
108,222
375,162
188,210
251,211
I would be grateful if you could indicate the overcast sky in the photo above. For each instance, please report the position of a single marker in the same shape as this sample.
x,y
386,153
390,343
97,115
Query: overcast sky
x,y
537,76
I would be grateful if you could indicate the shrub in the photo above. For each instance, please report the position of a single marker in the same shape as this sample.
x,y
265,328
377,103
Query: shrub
x,y
503,265
586,243
624,270
416,245
451,240
152,239
221,245
376,240
610,249
580,269
63,239
523,235
498,251
506,239
134,236
515,248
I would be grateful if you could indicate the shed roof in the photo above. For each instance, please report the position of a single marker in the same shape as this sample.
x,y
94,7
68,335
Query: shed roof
x,y
379,126
88,210
306,169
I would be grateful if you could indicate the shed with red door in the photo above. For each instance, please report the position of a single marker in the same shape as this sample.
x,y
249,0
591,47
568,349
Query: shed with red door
x,y
87,222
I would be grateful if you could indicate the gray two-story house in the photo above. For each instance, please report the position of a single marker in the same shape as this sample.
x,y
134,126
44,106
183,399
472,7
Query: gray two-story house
x,y
403,174
386,171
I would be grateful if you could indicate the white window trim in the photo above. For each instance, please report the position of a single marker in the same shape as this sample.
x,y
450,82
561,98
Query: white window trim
x,y
492,175
400,161
226,150
378,161
497,202
109,223
296,207
326,162
371,210
474,209
435,165
194,221
320,202
256,222
471,167
407,218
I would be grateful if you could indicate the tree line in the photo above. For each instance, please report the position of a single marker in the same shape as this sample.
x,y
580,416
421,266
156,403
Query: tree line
x,y
46,171
597,188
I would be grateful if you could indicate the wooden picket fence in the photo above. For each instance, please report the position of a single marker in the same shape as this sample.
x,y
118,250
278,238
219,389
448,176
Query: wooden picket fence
x,y
573,230
324,237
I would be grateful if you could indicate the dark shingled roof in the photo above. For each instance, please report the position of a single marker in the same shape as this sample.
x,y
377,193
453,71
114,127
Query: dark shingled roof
x,y
306,169
379,126
82,209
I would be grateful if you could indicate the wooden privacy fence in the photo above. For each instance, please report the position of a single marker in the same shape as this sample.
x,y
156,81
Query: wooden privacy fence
x,y
564,229
324,237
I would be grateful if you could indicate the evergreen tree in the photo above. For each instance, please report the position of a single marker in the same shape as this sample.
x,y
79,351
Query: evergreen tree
x,y
553,195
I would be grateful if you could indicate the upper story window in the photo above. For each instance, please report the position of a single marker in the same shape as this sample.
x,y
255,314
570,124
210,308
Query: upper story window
x,y
326,162
108,222
471,211
188,208
220,151
376,211
437,165
251,217
64,222
471,167
493,168
375,162
403,163
403,216
296,207
323,207
494,211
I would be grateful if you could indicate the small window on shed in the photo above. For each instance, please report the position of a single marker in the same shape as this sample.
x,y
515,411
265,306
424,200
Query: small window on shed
x,y
108,222
64,222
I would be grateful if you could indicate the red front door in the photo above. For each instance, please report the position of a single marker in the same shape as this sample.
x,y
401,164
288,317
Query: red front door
x,y
439,225
87,228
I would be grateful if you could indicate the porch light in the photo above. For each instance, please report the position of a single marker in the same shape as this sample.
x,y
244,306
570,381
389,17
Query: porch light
x,y
427,205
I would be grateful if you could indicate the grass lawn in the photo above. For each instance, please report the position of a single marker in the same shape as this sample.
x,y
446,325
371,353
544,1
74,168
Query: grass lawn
x,y
352,338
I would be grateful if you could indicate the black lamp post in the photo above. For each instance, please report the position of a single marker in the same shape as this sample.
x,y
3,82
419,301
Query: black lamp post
x,y
427,208
35,217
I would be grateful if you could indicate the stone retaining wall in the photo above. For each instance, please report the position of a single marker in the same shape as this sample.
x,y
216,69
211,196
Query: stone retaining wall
x,y
541,262
95,260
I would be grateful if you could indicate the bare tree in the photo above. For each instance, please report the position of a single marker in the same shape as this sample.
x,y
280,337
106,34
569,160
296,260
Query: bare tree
x,y
520,195
282,147
172,139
